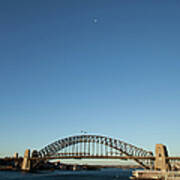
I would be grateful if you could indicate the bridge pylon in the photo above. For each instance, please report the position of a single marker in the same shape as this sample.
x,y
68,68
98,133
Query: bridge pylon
x,y
26,164
161,162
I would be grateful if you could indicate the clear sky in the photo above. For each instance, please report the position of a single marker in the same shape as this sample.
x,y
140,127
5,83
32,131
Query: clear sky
x,y
109,67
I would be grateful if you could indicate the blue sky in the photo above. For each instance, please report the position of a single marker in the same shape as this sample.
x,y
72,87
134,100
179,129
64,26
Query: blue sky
x,y
107,67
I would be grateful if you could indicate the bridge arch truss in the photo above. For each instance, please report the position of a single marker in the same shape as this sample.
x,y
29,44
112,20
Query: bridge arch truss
x,y
84,146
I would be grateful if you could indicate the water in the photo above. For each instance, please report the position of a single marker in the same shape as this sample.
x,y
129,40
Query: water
x,y
104,174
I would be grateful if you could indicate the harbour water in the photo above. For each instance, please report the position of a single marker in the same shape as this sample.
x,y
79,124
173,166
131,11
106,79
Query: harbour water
x,y
103,174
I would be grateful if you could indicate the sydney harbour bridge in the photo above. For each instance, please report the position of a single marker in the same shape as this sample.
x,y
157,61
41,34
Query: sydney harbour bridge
x,y
99,147
95,147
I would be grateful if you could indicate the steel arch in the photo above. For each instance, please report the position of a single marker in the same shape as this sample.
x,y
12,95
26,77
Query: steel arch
x,y
123,147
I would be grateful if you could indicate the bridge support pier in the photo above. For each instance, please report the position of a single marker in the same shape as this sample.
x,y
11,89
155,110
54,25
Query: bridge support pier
x,y
26,164
161,166
161,163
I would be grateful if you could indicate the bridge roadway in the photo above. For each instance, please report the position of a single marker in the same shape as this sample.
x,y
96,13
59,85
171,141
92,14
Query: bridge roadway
x,y
174,158
93,157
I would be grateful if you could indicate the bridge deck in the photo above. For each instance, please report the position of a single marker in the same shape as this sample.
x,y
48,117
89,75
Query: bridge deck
x,y
96,157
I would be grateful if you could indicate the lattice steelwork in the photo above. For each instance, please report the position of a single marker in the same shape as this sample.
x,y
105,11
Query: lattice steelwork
x,y
94,146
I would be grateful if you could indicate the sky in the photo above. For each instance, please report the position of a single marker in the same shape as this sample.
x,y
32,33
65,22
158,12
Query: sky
x,y
107,67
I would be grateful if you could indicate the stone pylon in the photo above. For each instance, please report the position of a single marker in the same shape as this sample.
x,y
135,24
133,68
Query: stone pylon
x,y
161,163
26,164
